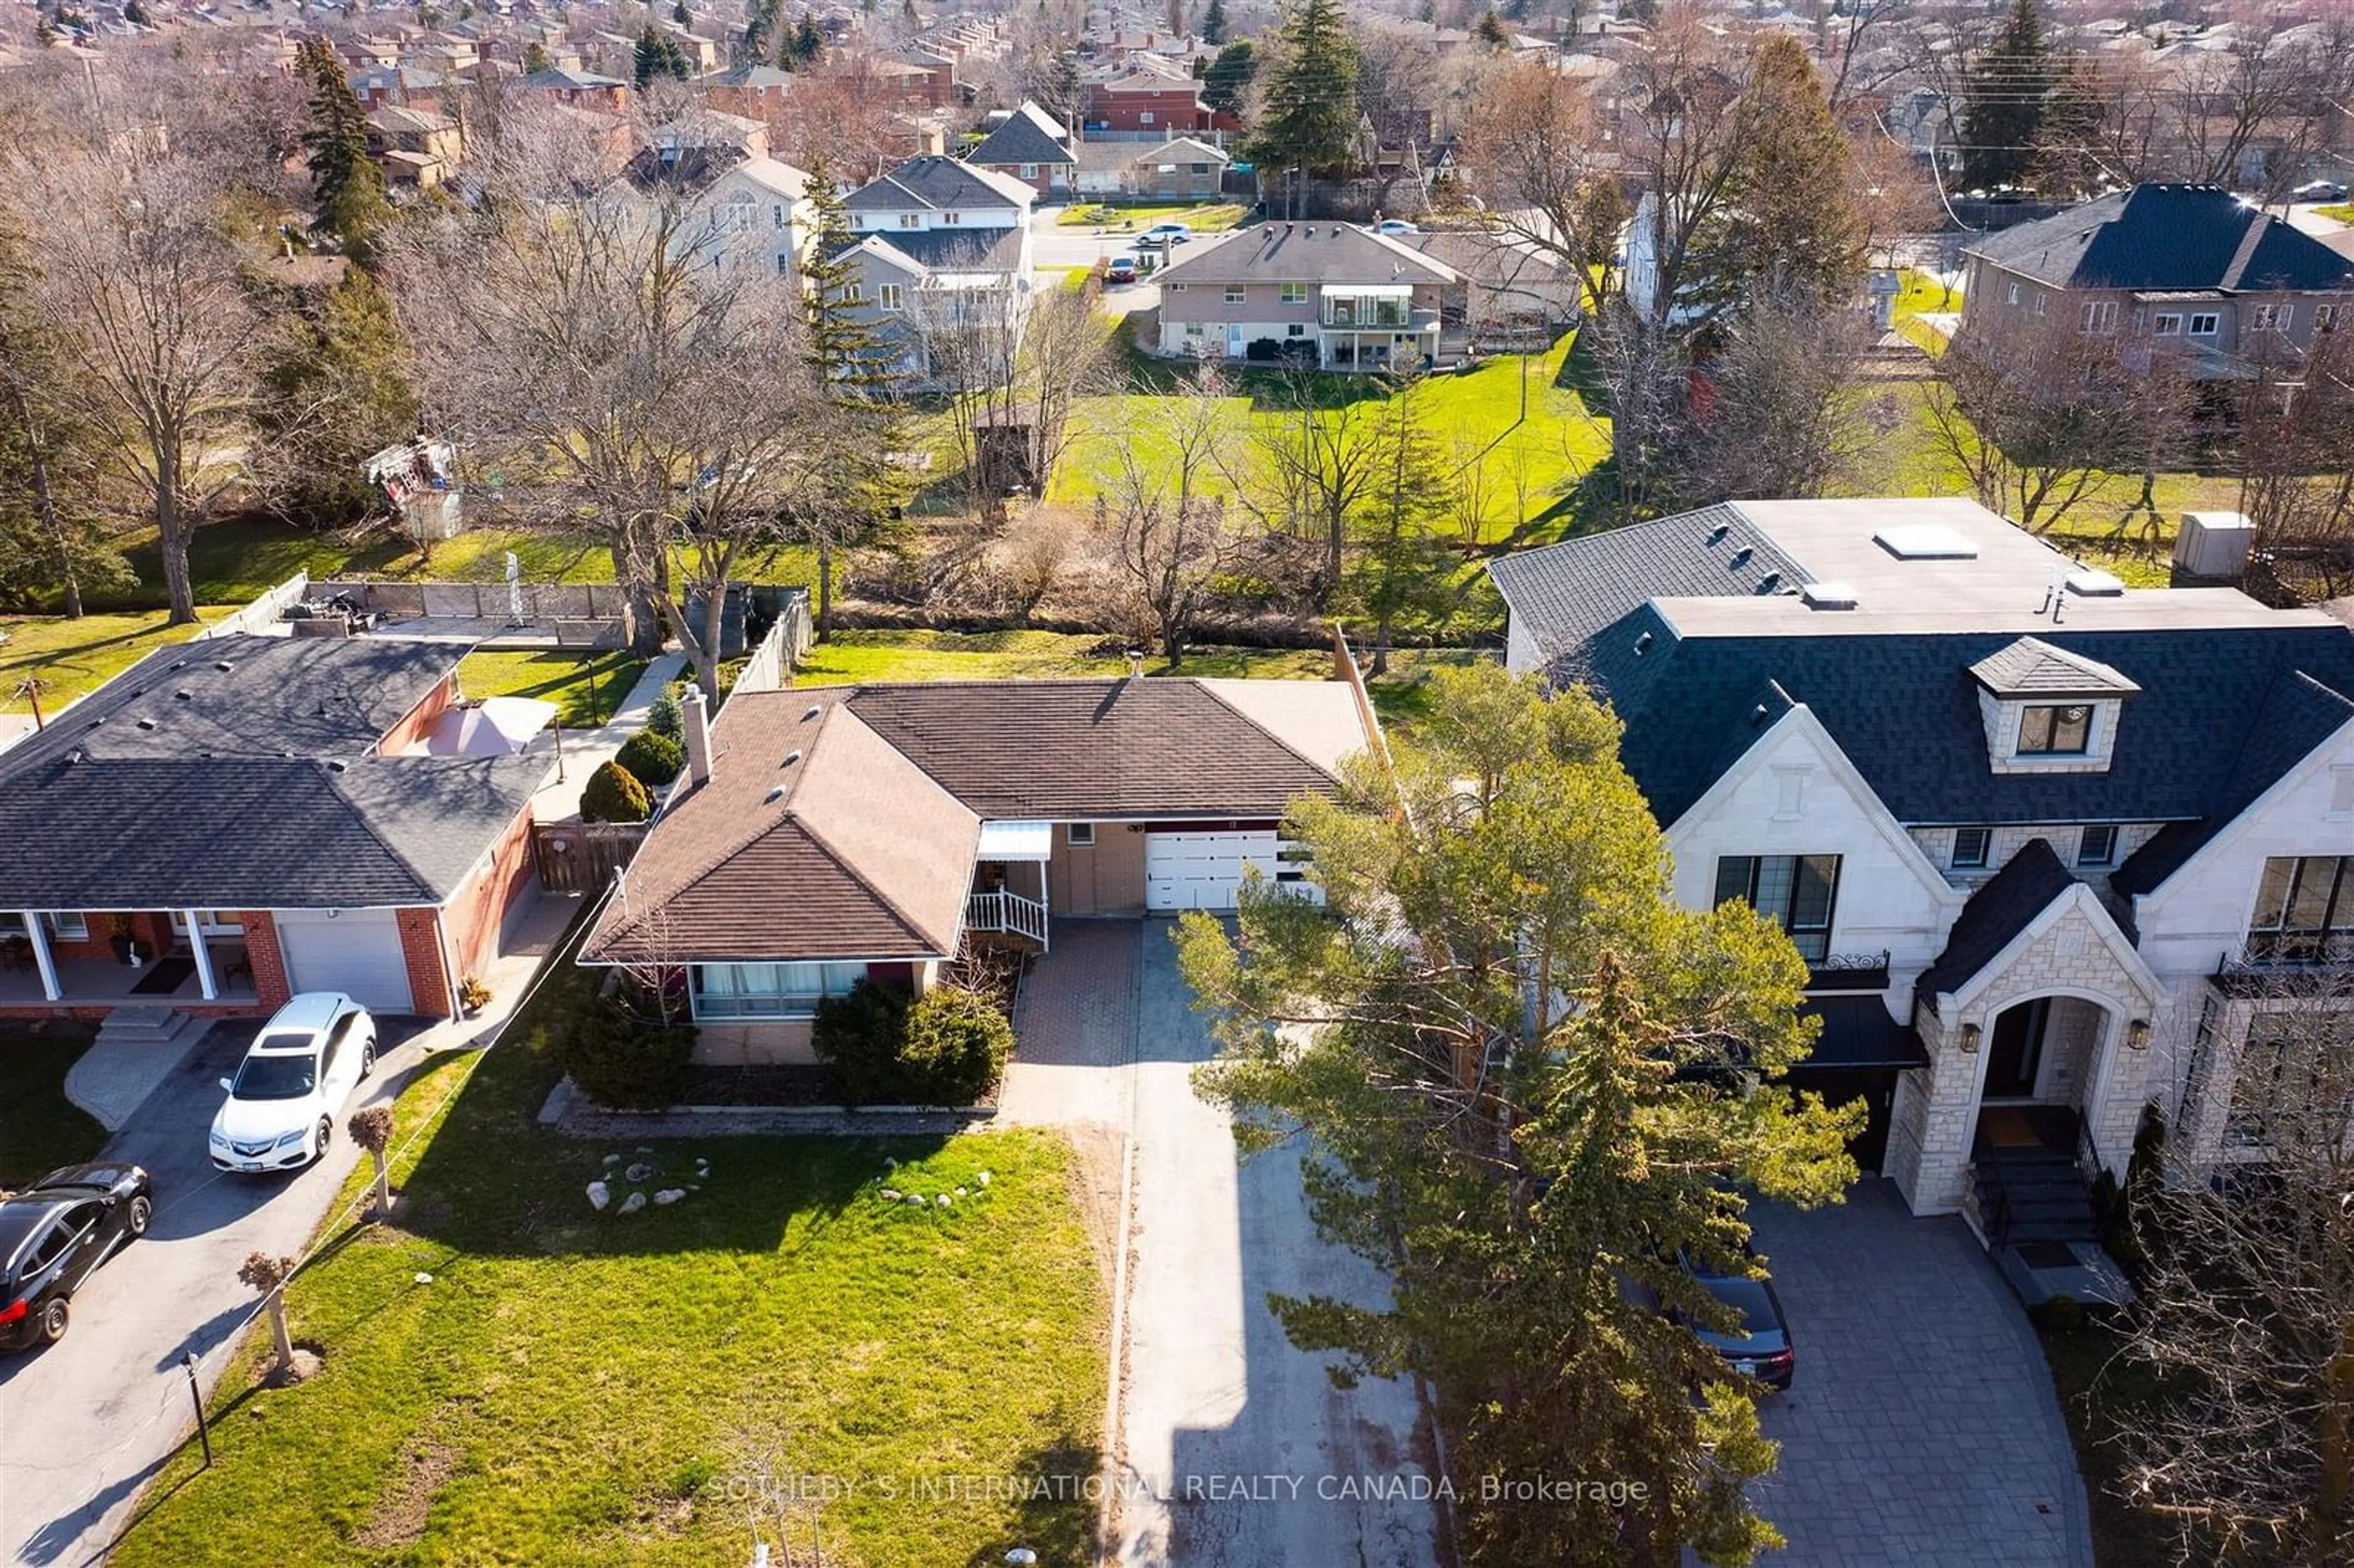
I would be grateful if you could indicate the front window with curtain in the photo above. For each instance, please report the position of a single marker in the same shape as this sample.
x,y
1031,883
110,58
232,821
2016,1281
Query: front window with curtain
x,y
1793,891
770,991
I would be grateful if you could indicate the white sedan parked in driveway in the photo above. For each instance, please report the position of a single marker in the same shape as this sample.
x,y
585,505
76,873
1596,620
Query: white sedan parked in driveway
x,y
305,1064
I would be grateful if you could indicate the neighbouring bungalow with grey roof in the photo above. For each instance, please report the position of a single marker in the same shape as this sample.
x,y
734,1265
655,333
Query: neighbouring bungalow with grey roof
x,y
1027,145
235,819
1331,294
2060,851
1182,169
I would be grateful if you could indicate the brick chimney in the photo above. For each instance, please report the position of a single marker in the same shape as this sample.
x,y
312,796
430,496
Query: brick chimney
x,y
696,729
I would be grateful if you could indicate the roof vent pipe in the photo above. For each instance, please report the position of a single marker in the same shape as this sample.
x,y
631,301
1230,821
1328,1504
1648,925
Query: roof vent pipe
x,y
696,729
1136,663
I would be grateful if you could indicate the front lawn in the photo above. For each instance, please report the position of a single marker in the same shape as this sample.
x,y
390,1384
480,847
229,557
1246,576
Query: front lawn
x,y
73,658
1201,218
40,1129
2342,211
587,685
2103,1395
513,1377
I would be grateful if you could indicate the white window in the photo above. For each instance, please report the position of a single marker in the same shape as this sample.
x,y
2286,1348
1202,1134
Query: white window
x,y
2325,318
2100,315
853,293
1193,329
1295,330
887,295
64,926
1237,293
2010,295
2141,319
1970,847
2039,300
1083,834
1029,171
2097,845
1176,287
212,922
778,214
2204,323
1145,118
2274,318
770,991
2168,323
911,221
1795,892
784,264
1295,294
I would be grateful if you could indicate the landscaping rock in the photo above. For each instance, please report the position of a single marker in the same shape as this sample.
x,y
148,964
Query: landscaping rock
x,y
959,1191
424,1278
944,1199
892,1194
599,1195
612,1160
670,1195
632,1203
983,1178
637,1171
917,1198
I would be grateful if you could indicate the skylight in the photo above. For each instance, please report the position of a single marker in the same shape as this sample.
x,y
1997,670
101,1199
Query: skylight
x,y
1925,542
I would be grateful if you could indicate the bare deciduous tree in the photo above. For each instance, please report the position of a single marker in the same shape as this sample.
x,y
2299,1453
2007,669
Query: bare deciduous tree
x,y
1160,506
371,1129
1786,414
269,1275
2296,430
2247,1300
1314,463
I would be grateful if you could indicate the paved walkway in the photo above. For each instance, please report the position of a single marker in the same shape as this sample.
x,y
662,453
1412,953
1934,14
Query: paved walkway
x,y
1922,1431
109,1403
586,750
1234,1449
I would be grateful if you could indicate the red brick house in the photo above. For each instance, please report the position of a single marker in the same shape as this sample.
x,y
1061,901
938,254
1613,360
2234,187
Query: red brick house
x,y
1148,101
233,821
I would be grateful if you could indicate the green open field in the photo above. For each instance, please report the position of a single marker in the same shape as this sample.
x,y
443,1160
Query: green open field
x,y
72,658
1201,218
577,1388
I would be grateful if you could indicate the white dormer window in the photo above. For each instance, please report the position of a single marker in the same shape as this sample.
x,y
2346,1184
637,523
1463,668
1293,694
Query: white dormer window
x,y
2055,729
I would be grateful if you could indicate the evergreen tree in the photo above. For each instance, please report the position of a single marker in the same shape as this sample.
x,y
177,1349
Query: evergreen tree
x,y
1228,76
853,362
1400,566
1529,1081
809,41
1213,23
338,387
1792,227
658,56
680,14
907,14
1490,31
136,14
1311,100
2002,117
535,59
344,179
759,26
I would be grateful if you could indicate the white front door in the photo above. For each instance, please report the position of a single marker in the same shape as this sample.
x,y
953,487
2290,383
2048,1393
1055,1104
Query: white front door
x,y
356,951
1236,347
1203,871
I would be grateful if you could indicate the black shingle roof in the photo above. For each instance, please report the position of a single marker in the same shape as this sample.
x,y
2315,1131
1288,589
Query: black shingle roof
x,y
1577,588
256,789
2167,237
1022,139
2207,730
2000,910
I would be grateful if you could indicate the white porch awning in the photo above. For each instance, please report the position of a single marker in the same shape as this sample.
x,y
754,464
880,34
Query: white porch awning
x,y
1015,840
1368,290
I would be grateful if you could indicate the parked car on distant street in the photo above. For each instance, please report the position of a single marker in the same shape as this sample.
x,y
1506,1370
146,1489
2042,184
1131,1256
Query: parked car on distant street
x,y
1395,226
55,1234
1161,234
2319,190
301,1068
1122,269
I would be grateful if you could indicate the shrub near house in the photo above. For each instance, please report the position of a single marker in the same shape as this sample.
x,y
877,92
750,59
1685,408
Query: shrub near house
x,y
946,1047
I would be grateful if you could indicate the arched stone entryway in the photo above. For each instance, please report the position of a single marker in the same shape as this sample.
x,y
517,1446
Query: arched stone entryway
x,y
2040,1057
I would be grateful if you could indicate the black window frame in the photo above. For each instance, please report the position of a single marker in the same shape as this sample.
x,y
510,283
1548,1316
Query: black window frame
x,y
1739,876
1072,831
2288,881
1962,861
2108,855
2049,743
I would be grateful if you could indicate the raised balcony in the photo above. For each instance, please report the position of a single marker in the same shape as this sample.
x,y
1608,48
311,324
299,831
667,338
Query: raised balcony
x,y
1849,971
2289,965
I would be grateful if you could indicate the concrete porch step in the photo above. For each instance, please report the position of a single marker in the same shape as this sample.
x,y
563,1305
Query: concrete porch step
x,y
147,1026
136,1049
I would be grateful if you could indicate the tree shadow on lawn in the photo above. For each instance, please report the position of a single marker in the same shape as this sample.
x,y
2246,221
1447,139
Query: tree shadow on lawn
x,y
1056,1502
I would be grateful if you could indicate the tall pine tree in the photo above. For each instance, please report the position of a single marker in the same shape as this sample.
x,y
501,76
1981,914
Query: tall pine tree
x,y
659,56
1312,99
852,361
2009,87
1213,23
345,180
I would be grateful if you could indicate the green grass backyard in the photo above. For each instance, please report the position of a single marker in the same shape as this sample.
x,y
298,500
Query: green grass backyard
x,y
40,1129
586,685
1201,218
71,658
577,1388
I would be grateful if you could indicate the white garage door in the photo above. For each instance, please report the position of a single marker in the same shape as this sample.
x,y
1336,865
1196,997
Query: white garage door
x,y
356,950
1202,871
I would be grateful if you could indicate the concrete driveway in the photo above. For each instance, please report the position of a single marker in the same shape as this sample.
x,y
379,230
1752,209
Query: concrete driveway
x,y
90,1418
1234,1449
1922,1428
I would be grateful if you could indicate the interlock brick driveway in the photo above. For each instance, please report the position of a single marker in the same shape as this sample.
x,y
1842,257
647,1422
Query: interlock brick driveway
x,y
1922,1431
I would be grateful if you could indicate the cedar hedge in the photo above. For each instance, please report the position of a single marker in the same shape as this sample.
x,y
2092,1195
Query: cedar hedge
x,y
889,1046
614,795
652,759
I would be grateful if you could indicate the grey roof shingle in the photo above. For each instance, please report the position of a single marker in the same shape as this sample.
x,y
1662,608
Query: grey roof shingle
x,y
239,773
935,183
1025,137
1304,253
1995,913
2032,667
954,249
1571,590
2167,237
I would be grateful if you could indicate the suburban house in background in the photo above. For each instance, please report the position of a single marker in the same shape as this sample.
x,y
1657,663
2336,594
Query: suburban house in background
x,y
235,819
2059,850
1150,94
414,146
1027,145
740,208
937,241
1331,294
1180,169
1509,289
579,88
2190,271
830,834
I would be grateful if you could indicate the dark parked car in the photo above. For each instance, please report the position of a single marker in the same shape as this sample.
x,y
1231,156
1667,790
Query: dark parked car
x,y
1762,1348
1121,270
54,1233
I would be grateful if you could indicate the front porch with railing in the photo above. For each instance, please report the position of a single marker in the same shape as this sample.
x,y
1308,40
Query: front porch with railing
x,y
1008,896
47,962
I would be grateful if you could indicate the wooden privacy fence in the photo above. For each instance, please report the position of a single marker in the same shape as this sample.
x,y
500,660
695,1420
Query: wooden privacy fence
x,y
581,857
